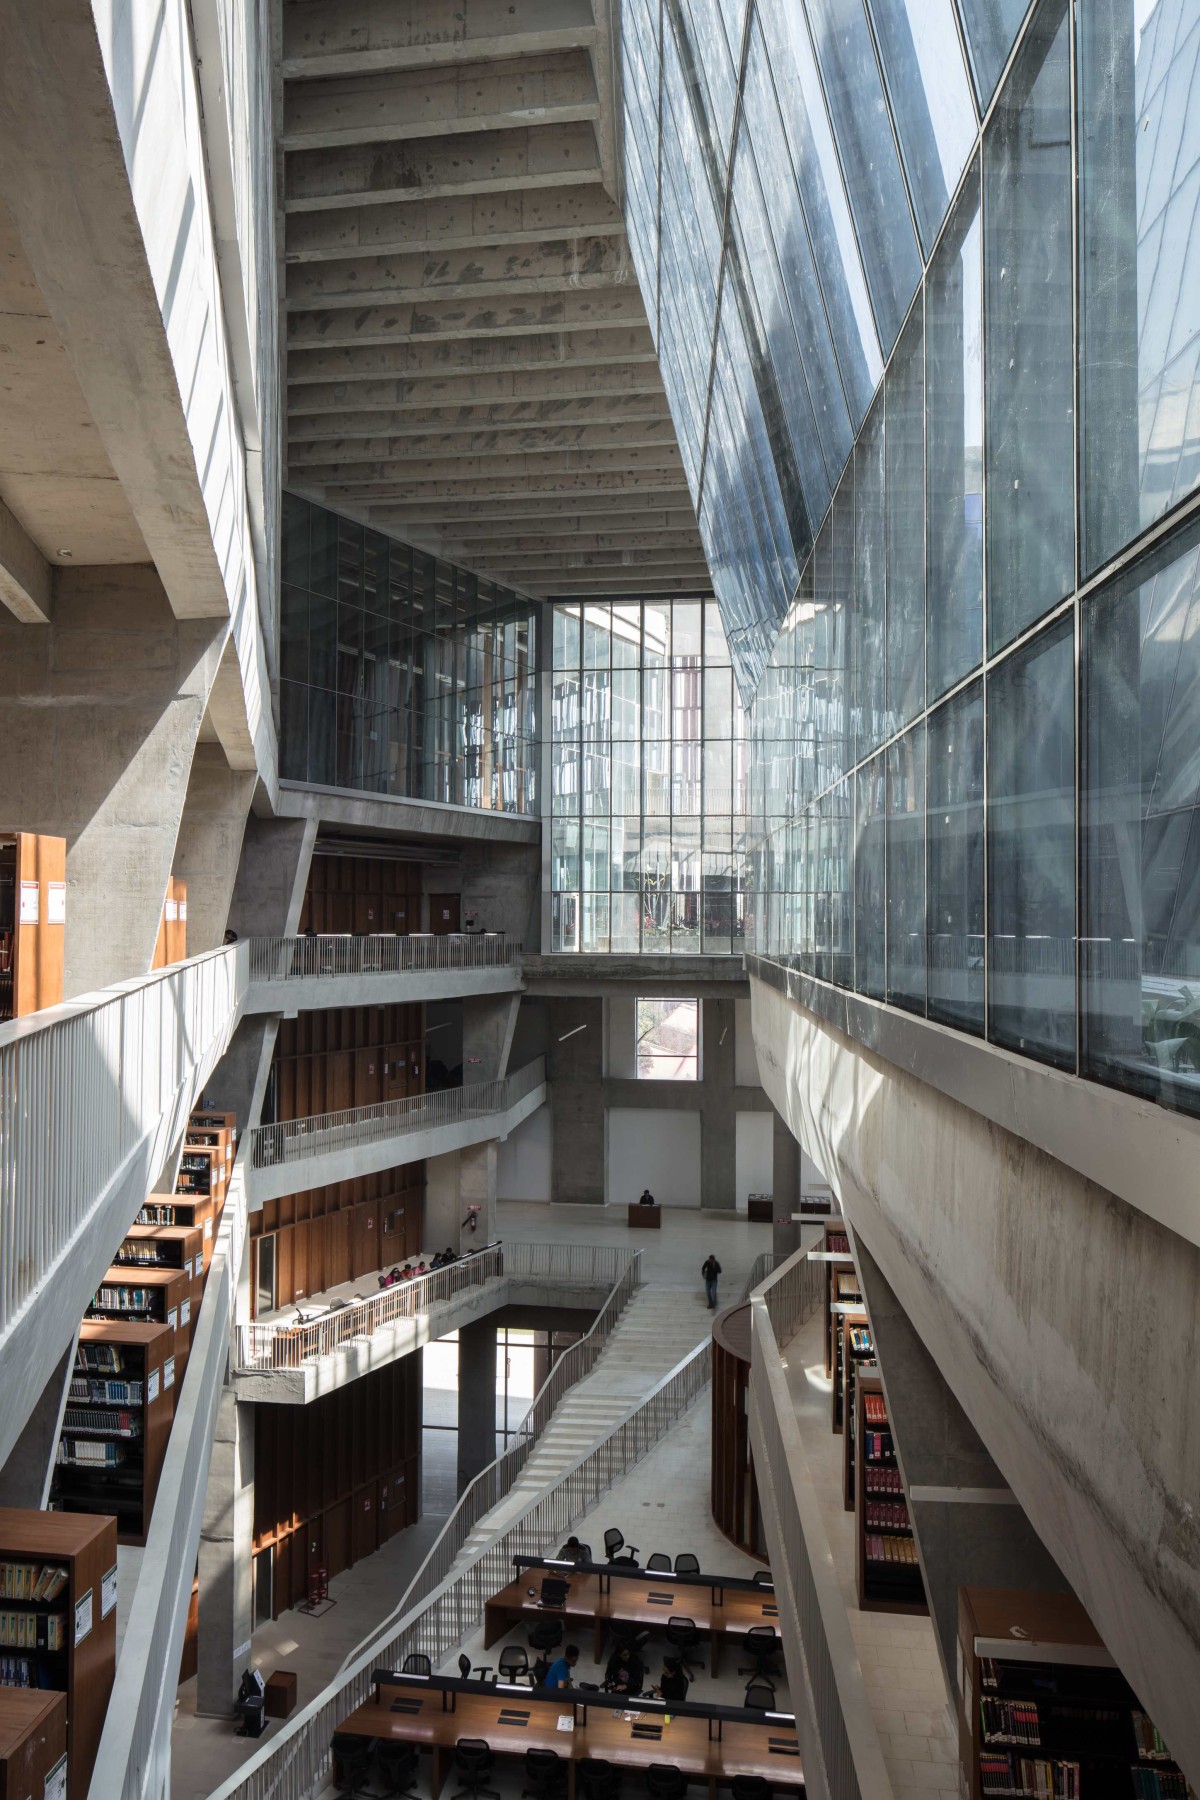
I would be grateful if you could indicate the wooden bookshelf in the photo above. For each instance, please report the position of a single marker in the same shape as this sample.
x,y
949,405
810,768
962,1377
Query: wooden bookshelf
x,y
33,1742
122,1394
184,1210
858,1357
847,1303
149,1297
86,1547
888,1582
33,911
202,1172
835,1252
167,1247
1033,1668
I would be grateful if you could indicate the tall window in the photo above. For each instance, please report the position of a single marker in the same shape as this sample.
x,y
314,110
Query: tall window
x,y
648,779
668,1040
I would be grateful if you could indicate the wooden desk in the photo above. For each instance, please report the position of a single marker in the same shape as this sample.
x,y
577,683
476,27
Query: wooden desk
x,y
513,1722
643,1600
645,1218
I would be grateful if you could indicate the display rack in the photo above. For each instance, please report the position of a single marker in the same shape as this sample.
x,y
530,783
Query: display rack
x,y
858,1356
149,1297
887,1573
85,1548
1044,1712
120,1404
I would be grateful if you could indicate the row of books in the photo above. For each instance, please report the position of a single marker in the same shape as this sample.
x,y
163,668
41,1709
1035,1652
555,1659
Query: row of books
x,y
884,1481
1027,1778
105,1393
156,1213
99,1359
1010,1722
24,1672
31,1581
78,1418
860,1340
1159,1784
124,1299
33,1631
874,1409
891,1550
888,1515
837,1243
139,1253
877,1445
98,1453
1145,1734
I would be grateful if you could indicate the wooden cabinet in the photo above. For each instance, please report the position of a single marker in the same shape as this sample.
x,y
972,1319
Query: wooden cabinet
x,y
33,1741
82,1669
33,912
117,1421
150,1297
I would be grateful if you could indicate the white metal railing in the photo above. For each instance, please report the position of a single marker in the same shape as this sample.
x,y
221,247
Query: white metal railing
x,y
134,1755
296,1762
824,1675
298,1140
764,1264
82,1086
326,958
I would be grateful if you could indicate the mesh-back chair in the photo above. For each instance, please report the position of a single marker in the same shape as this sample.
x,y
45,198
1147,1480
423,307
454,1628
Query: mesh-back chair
x,y
635,1636
687,1564
397,1769
684,1638
597,1779
616,1549
760,1696
658,1564
665,1782
514,1663
763,1645
545,1634
352,1758
750,1787
464,1667
416,1663
546,1774
473,1761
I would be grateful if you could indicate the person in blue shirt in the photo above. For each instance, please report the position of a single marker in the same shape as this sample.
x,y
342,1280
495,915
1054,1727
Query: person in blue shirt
x,y
559,1673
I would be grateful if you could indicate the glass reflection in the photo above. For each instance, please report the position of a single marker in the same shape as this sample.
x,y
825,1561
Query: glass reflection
x,y
906,871
930,94
991,27
955,861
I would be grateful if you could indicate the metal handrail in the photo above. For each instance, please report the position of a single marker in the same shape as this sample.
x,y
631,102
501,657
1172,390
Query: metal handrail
x,y
294,1763
764,1263
298,1140
83,1084
321,958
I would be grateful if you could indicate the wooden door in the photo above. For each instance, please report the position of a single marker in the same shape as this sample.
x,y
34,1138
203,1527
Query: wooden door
x,y
337,1538
368,914
445,910
369,1085
301,1284
285,1291
337,1249
364,1239
365,1517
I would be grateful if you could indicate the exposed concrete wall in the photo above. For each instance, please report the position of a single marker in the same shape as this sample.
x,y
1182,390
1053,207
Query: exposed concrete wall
x,y
488,1023
454,1181
227,1560
272,877
476,1399
575,1067
99,713
1065,1322
210,842
501,885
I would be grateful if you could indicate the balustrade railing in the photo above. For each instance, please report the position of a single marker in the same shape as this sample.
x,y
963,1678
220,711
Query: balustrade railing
x,y
321,958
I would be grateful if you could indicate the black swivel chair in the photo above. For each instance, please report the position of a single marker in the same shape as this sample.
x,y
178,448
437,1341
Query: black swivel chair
x,y
397,1770
545,1634
546,1774
750,1787
763,1646
513,1664
658,1564
464,1667
597,1779
665,1782
617,1550
473,1761
352,1760
416,1663
687,1564
684,1638
635,1636
760,1696
761,1578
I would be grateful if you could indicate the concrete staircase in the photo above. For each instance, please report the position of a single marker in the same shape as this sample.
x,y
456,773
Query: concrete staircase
x,y
656,1330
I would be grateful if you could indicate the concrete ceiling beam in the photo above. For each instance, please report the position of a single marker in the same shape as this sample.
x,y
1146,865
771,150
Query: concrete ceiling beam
x,y
559,89
450,321
326,37
476,354
544,386
611,546
467,222
494,487
682,582
488,162
25,577
397,514
650,434
494,271
535,469
448,421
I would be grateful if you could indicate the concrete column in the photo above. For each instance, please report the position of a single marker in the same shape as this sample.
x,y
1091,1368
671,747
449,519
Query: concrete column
x,y
786,1161
576,1068
477,1187
500,889
99,714
25,1477
970,1529
476,1399
210,842
718,1108
488,1022
226,1560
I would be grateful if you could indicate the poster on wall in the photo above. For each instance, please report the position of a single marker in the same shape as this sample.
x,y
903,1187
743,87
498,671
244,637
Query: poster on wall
x,y
56,903
28,914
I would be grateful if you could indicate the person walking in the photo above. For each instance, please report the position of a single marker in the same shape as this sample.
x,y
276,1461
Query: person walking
x,y
711,1269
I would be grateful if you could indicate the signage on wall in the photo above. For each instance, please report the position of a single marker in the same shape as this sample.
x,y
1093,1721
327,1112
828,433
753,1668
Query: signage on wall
x,y
171,910
28,914
56,903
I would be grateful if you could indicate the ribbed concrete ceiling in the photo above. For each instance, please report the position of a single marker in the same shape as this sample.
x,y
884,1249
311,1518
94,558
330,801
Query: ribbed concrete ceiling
x,y
468,359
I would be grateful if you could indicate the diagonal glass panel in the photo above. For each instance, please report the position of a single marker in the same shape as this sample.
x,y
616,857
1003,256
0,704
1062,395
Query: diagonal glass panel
x,y
991,27
932,105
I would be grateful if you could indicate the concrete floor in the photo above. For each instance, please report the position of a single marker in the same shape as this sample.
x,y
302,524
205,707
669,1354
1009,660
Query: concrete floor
x,y
898,1654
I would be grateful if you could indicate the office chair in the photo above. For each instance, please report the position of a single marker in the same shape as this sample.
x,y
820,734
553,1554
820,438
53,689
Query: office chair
x,y
636,1636
546,1775
760,1696
762,1647
545,1634
683,1638
473,1761
658,1564
614,1542
352,1759
665,1782
464,1667
750,1787
513,1664
416,1663
397,1769
687,1564
598,1779
761,1578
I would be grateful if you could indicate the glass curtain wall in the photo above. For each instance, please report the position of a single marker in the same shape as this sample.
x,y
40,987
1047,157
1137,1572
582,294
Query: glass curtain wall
x,y
649,781
401,673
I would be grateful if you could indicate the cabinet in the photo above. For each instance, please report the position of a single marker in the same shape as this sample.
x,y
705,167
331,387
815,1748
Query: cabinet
x,y
33,1741
117,1421
150,1297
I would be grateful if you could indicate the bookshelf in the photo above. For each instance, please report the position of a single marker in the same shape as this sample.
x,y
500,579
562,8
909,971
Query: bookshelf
x,y
1043,1709
858,1356
183,1210
86,1549
167,1247
118,1418
847,1303
33,1742
887,1573
838,1265
149,1297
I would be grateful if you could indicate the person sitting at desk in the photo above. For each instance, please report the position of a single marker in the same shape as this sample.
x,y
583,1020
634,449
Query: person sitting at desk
x,y
571,1551
558,1675
625,1673
646,1198
674,1683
